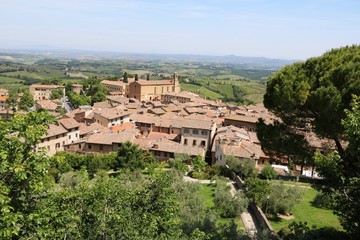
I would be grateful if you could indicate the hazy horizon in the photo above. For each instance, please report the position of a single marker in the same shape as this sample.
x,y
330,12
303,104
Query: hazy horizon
x,y
261,28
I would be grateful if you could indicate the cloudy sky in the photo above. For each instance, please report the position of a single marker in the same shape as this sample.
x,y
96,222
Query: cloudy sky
x,y
296,29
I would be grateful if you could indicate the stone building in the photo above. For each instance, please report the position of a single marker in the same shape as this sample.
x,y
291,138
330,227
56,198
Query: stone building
x,y
76,88
144,90
43,92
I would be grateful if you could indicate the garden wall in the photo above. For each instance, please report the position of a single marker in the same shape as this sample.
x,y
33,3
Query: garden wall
x,y
263,221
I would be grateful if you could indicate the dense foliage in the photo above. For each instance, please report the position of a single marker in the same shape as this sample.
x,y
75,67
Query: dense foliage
x,y
244,168
268,172
73,196
273,198
313,97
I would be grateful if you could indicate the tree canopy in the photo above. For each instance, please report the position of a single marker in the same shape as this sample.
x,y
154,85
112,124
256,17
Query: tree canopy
x,y
311,96
319,96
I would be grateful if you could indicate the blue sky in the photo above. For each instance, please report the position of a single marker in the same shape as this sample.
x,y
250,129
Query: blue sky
x,y
290,29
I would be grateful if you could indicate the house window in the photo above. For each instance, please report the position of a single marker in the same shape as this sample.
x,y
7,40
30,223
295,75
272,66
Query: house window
x,y
186,130
185,141
195,131
194,142
101,147
76,135
57,145
79,146
69,136
89,146
156,153
204,132
203,143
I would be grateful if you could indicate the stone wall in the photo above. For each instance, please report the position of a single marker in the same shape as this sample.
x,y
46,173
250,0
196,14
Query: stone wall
x,y
263,221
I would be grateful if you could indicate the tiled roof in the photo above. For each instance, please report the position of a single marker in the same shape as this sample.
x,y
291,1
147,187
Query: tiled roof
x,y
182,94
47,104
245,150
234,135
69,123
174,147
44,86
108,138
242,118
134,105
103,104
157,111
114,83
122,127
118,99
94,127
3,98
110,113
172,108
54,130
160,135
154,82
191,110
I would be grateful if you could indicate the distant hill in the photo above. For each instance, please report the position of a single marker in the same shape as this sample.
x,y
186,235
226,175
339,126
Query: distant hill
x,y
244,62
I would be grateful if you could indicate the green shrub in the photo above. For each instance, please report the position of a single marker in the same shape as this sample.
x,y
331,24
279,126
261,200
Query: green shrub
x,y
324,200
268,172
199,175
229,206
178,164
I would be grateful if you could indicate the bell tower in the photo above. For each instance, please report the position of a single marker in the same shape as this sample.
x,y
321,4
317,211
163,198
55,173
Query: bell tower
x,y
176,86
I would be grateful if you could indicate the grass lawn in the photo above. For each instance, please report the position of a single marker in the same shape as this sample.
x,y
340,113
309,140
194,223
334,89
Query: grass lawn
x,y
206,193
305,211
291,183
10,80
202,91
225,89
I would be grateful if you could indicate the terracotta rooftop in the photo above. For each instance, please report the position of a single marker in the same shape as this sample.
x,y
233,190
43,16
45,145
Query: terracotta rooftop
x,y
172,108
174,147
160,135
154,82
118,99
240,132
134,105
191,110
122,127
108,138
3,98
103,104
199,124
110,113
94,127
182,94
114,83
157,111
242,118
47,104
54,130
245,150
44,86
196,103
69,123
